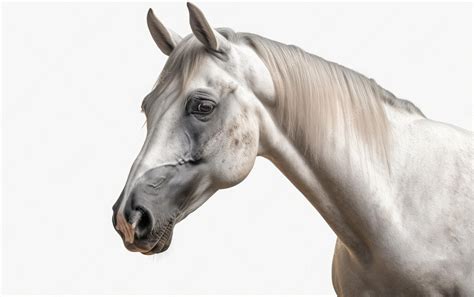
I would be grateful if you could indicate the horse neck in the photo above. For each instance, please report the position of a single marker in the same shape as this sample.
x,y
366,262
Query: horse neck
x,y
354,195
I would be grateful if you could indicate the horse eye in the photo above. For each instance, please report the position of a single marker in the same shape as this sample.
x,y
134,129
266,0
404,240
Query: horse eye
x,y
202,107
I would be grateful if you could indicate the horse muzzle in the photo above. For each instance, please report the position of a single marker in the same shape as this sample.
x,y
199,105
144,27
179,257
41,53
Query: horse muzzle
x,y
138,233
147,210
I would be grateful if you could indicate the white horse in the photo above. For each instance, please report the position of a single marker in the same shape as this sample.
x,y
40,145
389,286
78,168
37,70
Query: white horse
x,y
394,186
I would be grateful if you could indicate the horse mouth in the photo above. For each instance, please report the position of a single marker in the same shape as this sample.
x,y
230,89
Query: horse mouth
x,y
163,242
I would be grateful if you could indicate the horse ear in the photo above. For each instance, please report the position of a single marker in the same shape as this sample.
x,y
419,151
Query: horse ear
x,y
203,32
164,38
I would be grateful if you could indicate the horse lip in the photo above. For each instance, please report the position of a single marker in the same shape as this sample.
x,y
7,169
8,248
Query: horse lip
x,y
155,249
150,251
133,247
145,251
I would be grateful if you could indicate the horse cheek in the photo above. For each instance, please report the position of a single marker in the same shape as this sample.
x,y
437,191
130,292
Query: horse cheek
x,y
238,153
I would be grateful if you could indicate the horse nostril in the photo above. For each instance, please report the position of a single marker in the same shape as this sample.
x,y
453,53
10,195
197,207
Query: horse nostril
x,y
141,222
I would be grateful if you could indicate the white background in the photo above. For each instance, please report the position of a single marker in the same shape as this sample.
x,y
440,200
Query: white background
x,y
74,76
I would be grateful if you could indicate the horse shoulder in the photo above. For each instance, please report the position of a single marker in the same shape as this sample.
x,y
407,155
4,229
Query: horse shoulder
x,y
433,185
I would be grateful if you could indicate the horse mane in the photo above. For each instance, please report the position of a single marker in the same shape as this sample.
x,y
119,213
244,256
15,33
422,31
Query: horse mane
x,y
314,97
